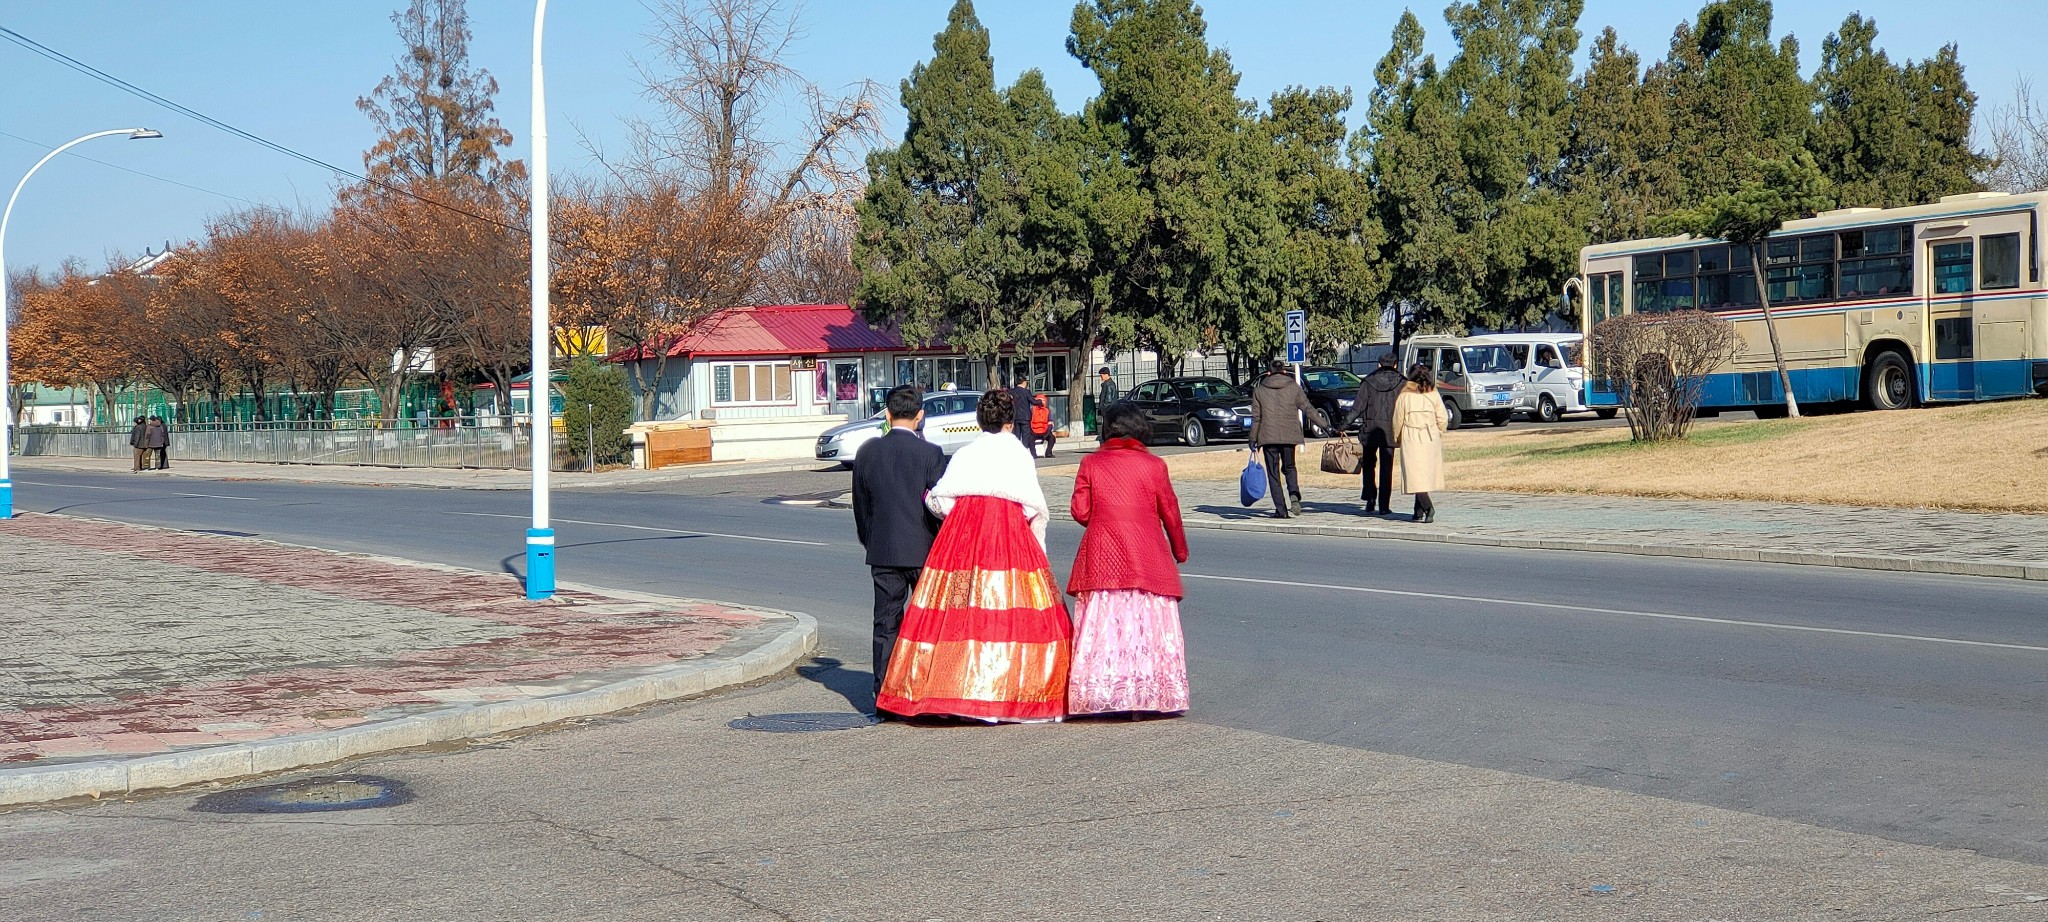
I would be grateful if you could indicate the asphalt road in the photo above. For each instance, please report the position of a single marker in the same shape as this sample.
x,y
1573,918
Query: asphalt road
x,y
1901,706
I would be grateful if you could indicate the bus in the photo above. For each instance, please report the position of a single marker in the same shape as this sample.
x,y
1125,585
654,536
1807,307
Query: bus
x,y
1889,308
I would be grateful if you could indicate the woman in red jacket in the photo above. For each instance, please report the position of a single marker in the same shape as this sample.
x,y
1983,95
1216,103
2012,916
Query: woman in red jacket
x,y
1128,652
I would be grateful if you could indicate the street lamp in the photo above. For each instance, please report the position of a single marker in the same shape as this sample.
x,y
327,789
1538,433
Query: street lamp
x,y
540,539
7,412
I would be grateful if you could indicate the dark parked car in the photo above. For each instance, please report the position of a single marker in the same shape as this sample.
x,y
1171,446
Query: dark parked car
x,y
1194,410
1331,390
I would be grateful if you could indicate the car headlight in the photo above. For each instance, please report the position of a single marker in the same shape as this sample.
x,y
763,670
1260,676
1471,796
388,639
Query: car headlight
x,y
1216,413
1346,402
1520,387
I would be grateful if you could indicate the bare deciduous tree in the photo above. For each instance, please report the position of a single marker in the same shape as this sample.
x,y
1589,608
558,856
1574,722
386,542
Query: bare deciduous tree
x,y
1659,364
2017,134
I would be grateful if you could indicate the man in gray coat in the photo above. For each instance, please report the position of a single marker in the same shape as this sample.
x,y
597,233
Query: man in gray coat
x,y
158,440
1374,407
1277,408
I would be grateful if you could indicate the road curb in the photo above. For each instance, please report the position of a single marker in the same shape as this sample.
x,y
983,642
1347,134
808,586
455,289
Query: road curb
x,y
104,777
1749,555
1927,565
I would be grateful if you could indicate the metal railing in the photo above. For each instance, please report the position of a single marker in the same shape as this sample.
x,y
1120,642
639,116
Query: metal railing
x,y
495,443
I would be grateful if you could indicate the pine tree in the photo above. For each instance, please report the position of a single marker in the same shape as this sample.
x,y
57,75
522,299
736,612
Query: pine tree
x,y
1860,129
1940,109
1735,98
1615,171
1170,100
938,224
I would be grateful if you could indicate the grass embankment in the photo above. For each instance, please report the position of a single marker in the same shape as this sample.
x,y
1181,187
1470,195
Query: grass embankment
x,y
1984,458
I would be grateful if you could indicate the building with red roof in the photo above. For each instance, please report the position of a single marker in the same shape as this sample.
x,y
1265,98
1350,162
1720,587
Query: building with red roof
x,y
782,373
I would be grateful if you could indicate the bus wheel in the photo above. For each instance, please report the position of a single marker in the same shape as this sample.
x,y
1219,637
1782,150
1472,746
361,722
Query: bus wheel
x,y
1457,416
1606,413
1888,383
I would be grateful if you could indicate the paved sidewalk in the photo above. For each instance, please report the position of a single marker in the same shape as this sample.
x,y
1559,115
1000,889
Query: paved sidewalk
x,y
144,657
1917,540
445,478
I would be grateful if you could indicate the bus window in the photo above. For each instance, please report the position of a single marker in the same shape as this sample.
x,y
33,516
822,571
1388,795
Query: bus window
x,y
1596,299
1614,295
2000,267
1952,267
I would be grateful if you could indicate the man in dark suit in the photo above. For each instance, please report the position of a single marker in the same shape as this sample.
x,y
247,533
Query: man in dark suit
x,y
890,478
1020,410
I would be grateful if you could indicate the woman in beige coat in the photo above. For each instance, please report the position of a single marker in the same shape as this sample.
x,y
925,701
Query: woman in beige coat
x,y
1419,425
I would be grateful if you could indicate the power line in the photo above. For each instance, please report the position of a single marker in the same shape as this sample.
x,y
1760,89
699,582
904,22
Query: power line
x,y
125,86
136,172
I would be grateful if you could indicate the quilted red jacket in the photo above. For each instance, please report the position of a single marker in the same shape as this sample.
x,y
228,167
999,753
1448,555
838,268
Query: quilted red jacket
x,y
1134,538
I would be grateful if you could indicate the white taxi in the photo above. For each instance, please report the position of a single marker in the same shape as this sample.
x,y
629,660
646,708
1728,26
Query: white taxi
x,y
949,423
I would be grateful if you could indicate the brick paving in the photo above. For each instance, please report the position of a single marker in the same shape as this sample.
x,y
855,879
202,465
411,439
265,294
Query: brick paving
x,y
1921,534
126,640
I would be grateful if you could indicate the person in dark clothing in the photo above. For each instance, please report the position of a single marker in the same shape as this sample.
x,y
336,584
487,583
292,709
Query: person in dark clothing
x,y
1278,405
1106,393
1374,409
890,479
138,439
1020,408
159,442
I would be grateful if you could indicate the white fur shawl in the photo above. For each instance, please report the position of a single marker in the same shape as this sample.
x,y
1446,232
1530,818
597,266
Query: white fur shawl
x,y
994,464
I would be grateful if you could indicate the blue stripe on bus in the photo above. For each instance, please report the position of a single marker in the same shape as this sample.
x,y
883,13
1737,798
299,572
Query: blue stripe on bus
x,y
1939,381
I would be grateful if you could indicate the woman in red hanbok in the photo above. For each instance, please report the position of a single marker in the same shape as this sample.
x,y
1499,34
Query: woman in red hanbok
x,y
1129,656
985,635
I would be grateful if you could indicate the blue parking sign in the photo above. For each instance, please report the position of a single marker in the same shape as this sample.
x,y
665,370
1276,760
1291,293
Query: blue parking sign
x,y
1297,353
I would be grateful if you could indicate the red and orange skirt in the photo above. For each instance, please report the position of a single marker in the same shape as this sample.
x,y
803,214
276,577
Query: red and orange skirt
x,y
985,635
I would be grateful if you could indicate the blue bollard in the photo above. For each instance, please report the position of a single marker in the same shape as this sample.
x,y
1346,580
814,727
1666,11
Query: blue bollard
x,y
540,564
6,499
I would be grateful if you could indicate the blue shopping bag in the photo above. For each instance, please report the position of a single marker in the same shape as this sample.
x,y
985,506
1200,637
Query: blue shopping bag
x,y
1251,485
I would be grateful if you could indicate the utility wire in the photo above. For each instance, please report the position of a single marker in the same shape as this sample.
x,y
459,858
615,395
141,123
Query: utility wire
x,y
125,86
8,134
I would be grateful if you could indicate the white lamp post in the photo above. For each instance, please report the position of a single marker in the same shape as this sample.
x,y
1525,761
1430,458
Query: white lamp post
x,y
540,539
7,412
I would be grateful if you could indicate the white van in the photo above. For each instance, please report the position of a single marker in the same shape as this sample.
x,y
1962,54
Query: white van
x,y
1549,367
1478,379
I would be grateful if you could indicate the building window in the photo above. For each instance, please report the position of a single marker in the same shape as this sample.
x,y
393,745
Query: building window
x,y
1952,267
752,382
2000,267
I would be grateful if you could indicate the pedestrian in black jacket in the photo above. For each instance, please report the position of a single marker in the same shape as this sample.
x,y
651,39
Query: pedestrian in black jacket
x,y
1020,411
1374,407
890,478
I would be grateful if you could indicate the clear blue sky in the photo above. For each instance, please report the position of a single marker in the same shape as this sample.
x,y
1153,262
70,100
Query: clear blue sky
x,y
291,72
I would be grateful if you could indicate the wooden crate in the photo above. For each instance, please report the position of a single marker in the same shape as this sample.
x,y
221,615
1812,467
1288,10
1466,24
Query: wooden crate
x,y
668,447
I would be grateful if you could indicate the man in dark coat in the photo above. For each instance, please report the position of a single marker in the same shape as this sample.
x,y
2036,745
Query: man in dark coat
x,y
890,478
1020,409
1106,393
1374,407
138,439
159,442
1277,408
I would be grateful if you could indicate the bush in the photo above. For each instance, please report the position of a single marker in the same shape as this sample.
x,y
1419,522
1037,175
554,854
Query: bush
x,y
1658,364
597,407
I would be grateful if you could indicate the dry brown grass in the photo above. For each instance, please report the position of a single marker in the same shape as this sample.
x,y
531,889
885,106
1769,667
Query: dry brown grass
x,y
1985,458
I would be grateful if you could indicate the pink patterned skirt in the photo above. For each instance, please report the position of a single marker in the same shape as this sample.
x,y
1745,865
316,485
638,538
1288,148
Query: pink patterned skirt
x,y
1128,654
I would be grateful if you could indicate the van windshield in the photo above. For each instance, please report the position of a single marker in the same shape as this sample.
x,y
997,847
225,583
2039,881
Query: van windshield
x,y
1486,360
